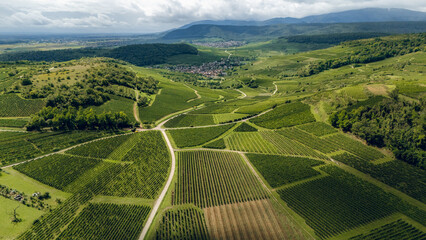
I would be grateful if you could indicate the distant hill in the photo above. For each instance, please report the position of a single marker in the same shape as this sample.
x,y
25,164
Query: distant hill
x,y
255,33
138,54
351,16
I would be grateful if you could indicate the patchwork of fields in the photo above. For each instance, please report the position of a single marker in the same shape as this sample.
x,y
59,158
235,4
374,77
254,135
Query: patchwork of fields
x,y
226,162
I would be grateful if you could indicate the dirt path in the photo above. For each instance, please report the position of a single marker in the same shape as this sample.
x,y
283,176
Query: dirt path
x,y
207,126
230,54
276,88
196,93
244,95
165,189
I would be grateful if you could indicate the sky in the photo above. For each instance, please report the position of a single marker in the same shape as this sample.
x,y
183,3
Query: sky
x,y
142,16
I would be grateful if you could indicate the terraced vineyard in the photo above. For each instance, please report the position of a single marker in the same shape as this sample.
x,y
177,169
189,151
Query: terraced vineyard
x,y
182,223
393,231
209,178
112,222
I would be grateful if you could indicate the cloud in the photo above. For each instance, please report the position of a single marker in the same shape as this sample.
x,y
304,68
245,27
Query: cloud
x,y
159,15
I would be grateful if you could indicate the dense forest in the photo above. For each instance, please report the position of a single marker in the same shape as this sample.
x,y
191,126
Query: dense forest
x,y
393,122
138,54
372,50
71,118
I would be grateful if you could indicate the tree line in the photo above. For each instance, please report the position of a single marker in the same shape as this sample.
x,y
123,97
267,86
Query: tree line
x,y
372,50
393,122
138,54
71,118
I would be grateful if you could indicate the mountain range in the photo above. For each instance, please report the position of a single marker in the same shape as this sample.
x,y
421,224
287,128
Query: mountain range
x,y
351,16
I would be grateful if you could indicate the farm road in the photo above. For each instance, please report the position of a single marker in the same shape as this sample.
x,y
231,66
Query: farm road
x,y
165,189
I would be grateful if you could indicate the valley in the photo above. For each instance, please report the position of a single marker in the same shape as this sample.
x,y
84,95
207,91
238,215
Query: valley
x,y
304,137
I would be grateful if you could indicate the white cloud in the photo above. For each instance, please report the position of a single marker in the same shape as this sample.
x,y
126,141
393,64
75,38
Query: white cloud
x,y
149,15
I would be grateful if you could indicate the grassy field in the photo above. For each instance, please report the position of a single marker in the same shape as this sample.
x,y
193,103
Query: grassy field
x,y
9,229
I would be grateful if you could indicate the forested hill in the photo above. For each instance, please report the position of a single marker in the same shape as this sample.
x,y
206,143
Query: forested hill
x,y
253,33
139,54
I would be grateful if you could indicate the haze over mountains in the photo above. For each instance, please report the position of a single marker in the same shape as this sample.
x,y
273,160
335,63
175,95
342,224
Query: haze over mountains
x,y
351,16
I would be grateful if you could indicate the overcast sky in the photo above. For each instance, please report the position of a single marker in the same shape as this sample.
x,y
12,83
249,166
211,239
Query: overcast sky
x,y
143,16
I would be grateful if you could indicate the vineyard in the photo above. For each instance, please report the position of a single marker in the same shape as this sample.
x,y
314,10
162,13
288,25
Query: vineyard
x,y
209,178
17,146
107,221
197,136
248,220
249,142
309,140
289,147
318,128
216,144
393,231
398,174
229,117
357,148
14,106
57,170
190,120
51,224
244,127
280,170
101,149
182,223
145,177
286,115
13,122
337,203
